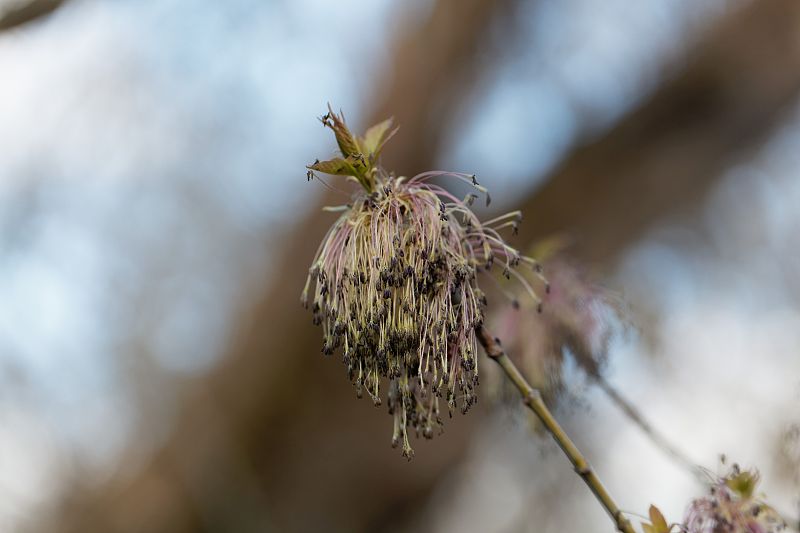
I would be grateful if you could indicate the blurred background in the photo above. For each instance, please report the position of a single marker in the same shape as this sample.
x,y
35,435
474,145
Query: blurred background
x,y
157,372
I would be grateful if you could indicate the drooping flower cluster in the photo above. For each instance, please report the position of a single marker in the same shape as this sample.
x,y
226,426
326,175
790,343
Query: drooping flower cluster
x,y
394,284
733,507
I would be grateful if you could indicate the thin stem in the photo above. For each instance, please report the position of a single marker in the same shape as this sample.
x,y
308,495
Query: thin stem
x,y
533,400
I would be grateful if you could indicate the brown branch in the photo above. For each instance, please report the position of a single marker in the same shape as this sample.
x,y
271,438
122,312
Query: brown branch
x,y
533,400
664,158
28,12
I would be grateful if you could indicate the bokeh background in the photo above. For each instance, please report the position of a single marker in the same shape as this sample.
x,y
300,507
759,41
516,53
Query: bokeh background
x,y
157,373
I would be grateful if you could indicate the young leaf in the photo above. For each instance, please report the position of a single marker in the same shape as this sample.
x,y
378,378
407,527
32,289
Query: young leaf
x,y
373,140
657,519
743,483
336,167
359,163
658,524
345,140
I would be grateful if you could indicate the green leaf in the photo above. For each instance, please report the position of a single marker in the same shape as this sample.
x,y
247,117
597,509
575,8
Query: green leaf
x,y
359,163
658,520
373,140
743,483
347,143
336,167
354,166
658,524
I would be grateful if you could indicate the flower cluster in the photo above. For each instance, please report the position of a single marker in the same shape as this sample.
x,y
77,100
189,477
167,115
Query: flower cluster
x,y
394,284
733,507
581,320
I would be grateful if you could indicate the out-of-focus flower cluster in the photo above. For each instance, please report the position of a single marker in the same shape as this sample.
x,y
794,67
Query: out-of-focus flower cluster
x,y
733,507
394,284
580,319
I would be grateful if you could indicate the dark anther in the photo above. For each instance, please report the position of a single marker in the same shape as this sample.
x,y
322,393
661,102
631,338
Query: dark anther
x,y
455,296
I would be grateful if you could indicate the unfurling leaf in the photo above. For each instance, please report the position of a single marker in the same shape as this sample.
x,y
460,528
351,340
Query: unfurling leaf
x,y
347,143
658,524
658,519
373,140
743,483
336,167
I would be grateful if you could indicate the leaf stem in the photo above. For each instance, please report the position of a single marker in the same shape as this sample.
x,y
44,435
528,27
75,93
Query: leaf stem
x,y
533,400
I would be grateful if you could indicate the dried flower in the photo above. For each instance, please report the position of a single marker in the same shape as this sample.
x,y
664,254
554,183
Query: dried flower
x,y
733,507
395,284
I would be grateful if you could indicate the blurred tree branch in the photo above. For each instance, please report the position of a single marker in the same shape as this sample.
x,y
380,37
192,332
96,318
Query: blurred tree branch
x,y
663,158
27,12
274,436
